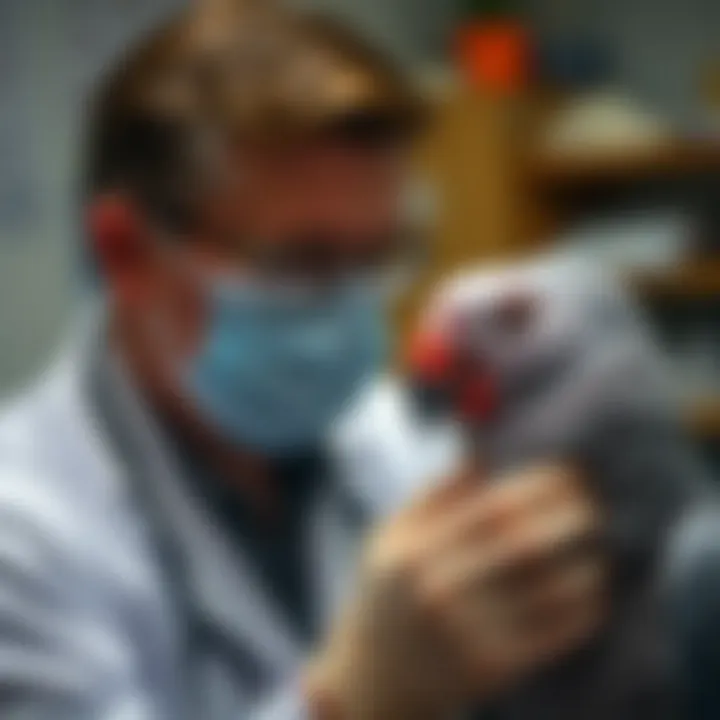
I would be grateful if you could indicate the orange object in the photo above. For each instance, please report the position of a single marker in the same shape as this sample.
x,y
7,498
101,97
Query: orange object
x,y
495,55
431,359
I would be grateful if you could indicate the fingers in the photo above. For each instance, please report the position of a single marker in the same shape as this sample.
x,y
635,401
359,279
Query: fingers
x,y
572,625
400,545
539,544
541,484
514,571
446,497
496,635
515,562
558,593
527,520
531,600
468,502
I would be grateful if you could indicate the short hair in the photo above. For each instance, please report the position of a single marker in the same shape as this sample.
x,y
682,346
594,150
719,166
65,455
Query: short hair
x,y
248,72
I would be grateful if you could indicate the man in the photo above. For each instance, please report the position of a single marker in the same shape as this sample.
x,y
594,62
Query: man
x,y
181,508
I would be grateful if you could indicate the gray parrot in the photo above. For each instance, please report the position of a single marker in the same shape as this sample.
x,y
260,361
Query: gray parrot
x,y
550,359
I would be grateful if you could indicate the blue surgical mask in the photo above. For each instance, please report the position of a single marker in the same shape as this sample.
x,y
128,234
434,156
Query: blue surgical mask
x,y
274,374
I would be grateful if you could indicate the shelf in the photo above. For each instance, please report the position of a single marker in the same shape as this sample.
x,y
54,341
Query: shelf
x,y
677,160
696,279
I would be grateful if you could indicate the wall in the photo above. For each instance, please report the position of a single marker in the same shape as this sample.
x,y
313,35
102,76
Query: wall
x,y
49,51
35,259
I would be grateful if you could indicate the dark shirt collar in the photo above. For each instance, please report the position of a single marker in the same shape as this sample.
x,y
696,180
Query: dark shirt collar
x,y
276,544
295,483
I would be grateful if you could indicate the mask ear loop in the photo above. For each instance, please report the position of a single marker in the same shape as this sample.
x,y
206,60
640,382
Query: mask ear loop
x,y
230,282
159,339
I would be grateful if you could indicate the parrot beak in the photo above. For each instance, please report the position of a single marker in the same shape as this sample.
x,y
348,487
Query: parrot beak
x,y
444,384
431,363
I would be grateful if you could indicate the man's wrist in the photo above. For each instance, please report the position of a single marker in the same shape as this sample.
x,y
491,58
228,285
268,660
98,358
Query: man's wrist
x,y
338,689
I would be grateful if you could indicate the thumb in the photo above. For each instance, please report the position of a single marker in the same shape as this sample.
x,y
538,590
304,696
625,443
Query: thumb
x,y
448,493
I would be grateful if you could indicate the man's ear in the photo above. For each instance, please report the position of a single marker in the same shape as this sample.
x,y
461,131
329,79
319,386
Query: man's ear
x,y
119,242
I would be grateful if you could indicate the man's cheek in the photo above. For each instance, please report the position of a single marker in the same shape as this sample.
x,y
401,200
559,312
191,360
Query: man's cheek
x,y
175,318
192,317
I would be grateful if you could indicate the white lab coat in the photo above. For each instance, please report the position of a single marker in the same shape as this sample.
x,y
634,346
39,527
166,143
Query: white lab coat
x,y
94,613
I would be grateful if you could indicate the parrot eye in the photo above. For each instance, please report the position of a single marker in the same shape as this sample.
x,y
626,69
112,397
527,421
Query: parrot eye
x,y
515,314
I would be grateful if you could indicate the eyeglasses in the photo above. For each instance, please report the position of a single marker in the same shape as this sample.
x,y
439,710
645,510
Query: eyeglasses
x,y
391,262
312,261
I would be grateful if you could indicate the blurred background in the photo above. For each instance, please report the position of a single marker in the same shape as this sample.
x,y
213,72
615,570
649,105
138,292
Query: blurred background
x,y
589,123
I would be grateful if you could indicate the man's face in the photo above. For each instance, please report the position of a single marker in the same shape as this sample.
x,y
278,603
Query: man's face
x,y
313,215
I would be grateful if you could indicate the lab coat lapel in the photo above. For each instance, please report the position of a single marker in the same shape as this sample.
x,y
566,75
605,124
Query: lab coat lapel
x,y
220,585
336,537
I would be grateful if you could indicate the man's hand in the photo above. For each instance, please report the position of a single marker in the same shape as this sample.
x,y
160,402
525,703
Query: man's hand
x,y
463,595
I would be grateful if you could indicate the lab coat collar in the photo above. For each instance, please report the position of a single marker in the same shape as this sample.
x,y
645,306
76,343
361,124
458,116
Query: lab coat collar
x,y
218,580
